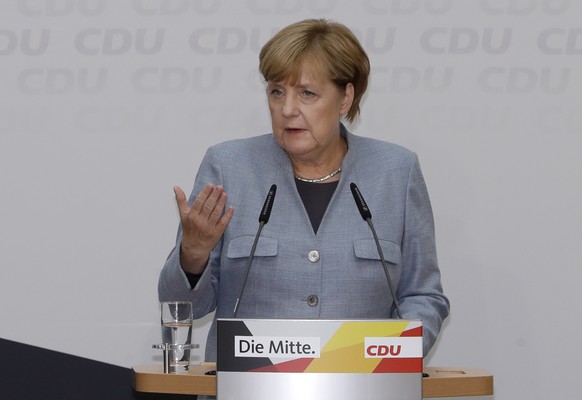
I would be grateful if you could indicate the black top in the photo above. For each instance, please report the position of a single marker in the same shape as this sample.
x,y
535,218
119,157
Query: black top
x,y
315,197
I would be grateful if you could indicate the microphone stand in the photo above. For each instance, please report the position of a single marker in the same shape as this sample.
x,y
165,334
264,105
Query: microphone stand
x,y
394,299
235,311
263,219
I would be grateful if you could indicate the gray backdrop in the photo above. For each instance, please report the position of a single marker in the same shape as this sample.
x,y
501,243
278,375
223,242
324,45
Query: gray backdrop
x,y
107,104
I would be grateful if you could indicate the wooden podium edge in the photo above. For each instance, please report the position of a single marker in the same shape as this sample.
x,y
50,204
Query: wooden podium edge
x,y
456,382
441,381
151,379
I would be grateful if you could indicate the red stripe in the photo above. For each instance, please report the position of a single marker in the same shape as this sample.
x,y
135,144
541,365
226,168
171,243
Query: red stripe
x,y
399,365
412,332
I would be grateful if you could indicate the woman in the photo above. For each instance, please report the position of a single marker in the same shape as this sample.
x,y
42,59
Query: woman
x,y
316,257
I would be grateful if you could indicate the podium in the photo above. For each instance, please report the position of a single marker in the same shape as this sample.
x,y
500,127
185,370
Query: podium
x,y
284,359
437,382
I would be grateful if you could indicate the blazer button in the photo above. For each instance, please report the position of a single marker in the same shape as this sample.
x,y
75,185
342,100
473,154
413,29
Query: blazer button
x,y
312,300
313,256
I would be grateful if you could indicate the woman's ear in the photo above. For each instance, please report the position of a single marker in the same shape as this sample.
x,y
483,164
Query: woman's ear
x,y
347,100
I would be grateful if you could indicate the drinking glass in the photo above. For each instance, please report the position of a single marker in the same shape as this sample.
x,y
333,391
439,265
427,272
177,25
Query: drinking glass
x,y
176,319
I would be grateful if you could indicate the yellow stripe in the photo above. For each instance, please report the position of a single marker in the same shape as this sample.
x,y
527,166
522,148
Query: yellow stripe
x,y
344,352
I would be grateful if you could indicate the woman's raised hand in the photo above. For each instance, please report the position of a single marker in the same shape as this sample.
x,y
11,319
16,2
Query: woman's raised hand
x,y
203,224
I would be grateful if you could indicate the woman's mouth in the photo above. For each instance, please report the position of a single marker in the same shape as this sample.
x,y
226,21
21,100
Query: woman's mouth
x,y
294,130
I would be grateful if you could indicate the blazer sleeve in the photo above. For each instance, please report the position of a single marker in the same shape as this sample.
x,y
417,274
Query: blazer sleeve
x,y
420,291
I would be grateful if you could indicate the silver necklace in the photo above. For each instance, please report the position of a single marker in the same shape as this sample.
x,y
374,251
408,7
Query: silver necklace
x,y
325,178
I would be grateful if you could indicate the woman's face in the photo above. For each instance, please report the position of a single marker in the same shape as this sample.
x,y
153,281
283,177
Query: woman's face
x,y
306,115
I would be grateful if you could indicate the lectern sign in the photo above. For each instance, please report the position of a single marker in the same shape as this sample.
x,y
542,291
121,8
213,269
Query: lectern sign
x,y
319,359
276,347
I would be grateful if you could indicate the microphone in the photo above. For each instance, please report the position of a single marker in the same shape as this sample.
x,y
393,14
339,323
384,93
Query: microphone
x,y
263,219
367,216
268,206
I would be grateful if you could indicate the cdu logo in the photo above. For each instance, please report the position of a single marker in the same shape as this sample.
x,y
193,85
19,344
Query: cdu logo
x,y
560,41
29,42
412,79
118,41
524,80
442,40
232,40
377,40
61,80
153,80
382,350
392,347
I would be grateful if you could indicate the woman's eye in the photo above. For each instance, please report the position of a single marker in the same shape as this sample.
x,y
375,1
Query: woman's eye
x,y
308,93
276,92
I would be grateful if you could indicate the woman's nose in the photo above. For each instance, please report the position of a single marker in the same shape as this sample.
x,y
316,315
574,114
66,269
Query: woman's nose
x,y
290,107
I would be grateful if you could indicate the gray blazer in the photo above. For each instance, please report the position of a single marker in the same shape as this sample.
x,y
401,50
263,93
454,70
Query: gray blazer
x,y
334,274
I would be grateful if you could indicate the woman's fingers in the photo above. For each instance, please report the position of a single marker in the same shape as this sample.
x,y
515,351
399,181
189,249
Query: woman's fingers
x,y
200,202
207,211
181,202
223,222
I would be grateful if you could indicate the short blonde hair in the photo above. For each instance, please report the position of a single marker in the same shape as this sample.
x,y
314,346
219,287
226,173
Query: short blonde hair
x,y
330,47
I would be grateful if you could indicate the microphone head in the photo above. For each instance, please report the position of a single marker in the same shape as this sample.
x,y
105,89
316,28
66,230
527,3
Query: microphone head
x,y
266,211
360,202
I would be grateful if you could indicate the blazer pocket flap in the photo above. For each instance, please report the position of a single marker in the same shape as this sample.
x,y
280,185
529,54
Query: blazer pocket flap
x,y
241,247
366,248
